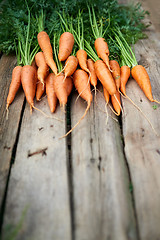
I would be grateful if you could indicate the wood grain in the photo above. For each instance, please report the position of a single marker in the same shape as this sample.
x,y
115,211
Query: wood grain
x,y
102,201
8,128
142,146
39,179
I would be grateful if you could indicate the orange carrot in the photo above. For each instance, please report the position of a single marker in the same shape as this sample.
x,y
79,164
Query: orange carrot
x,y
66,43
116,104
102,50
93,79
28,83
61,89
51,96
80,80
45,45
70,66
35,67
34,64
69,85
114,65
105,77
40,90
125,74
140,74
106,95
15,85
43,68
40,87
82,59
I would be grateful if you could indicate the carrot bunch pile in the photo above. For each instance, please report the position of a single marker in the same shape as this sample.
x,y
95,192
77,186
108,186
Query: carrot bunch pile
x,y
57,62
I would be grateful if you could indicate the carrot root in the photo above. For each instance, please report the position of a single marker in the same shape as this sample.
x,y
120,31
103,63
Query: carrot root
x,y
7,111
89,104
83,89
118,103
32,106
156,101
106,113
138,108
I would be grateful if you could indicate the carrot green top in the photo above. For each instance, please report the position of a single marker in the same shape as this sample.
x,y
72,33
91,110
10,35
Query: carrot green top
x,y
91,53
25,44
79,32
97,27
127,55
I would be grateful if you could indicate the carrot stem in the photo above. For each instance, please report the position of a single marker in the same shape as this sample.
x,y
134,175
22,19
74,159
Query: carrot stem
x,y
91,53
58,63
97,30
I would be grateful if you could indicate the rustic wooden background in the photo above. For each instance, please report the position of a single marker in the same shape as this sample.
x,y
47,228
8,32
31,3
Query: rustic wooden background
x,y
101,182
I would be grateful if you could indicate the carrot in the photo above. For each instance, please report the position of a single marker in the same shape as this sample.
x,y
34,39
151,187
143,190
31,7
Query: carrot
x,y
105,77
115,69
70,66
114,65
116,104
106,95
61,90
80,80
93,78
40,87
125,74
66,43
28,83
40,90
43,68
45,45
15,85
51,96
140,74
82,59
69,85
102,50
35,67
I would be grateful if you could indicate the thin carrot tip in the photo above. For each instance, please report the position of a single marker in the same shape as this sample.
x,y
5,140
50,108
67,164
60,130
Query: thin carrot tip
x,y
62,106
31,108
7,106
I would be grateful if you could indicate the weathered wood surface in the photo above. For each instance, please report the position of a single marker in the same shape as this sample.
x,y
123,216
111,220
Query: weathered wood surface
x,y
39,181
102,201
142,146
91,200
8,128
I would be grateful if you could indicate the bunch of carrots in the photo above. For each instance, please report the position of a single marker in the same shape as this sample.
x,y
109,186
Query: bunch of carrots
x,y
56,65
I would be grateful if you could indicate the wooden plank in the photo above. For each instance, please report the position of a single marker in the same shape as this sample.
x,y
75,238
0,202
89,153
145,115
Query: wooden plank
x,y
39,181
142,146
8,128
102,201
